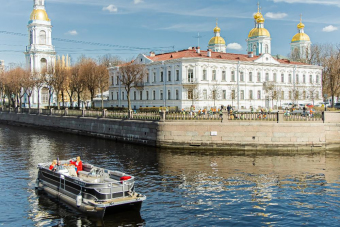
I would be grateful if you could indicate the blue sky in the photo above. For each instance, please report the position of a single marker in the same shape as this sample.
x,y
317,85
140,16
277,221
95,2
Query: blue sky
x,y
139,26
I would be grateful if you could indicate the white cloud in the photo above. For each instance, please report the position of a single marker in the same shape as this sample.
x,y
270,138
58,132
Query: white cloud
x,y
234,46
276,15
111,9
137,1
72,32
321,2
329,28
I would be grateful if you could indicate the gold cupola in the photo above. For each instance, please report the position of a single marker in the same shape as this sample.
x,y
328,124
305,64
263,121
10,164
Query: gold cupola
x,y
217,39
259,29
301,35
39,14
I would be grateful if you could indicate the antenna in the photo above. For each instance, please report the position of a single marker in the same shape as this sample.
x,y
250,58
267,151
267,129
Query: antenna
x,y
198,38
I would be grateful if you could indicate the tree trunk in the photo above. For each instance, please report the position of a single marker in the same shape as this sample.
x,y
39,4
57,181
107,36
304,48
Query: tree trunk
x,y
102,99
29,101
71,101
58,105
38,98
78,100
63,98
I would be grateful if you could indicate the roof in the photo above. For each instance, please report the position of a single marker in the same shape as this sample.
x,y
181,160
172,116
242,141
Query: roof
x,y
214,55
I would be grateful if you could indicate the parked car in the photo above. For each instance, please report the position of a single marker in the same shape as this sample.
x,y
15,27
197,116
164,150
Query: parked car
x,y
286,106
310,105
337,105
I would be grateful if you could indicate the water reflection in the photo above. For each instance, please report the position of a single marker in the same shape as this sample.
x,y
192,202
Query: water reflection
x,y
183,188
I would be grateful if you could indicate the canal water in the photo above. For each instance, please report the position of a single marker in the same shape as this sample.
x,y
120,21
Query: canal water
x,y
183,188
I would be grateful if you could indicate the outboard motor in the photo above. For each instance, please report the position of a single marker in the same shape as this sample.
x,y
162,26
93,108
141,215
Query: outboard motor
x,y
79,199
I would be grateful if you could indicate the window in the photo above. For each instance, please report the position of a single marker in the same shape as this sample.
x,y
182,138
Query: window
x,y
290,95
134,95
190,95
177,75
266,49
250,77
154,77
233,94
258,77
304,94
204,74
112,80
161,94
169,75
190,75
169,95
42,37
43,64
297,78
223,76
117,82
258,94
214,75
317,79
111,95
177,95
123,95
282,95
147,78
161,76
233,76
274,77
290,78
154,95
242,94
205,94
117,96
250,94
31,37
316,95
267,76
241,76
44,95
310,79
282,78
140,95
304,79
147,95
224,94
311,94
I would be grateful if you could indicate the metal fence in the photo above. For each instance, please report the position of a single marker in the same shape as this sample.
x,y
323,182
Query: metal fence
x,y
177,116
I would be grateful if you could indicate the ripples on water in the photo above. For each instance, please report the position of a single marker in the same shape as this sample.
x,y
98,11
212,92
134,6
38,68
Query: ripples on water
x,y
182,188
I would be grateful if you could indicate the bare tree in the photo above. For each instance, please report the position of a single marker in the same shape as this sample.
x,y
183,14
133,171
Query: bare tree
x,y
88,72
28,86
103,80
131,75
215,93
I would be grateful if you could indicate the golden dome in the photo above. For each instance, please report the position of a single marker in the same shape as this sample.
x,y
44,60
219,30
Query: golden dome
x,y
300,26
217,29
300,37
39,14
256,32
257,15
260,20
216,40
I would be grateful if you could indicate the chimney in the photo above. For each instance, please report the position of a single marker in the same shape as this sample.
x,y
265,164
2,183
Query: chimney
x,y
250,54
209,53
152,54
198,50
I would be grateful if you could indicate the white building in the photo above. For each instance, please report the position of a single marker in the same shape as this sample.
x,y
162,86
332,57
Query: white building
x,y
209,78
40,53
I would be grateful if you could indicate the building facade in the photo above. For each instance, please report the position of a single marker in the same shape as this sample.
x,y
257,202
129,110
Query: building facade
x,y
40,53
211,78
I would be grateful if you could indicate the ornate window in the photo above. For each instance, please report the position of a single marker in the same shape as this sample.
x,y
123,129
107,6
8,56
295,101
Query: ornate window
x,y
258,77
223,76
44,95
214,74
250,76
42,37
282,78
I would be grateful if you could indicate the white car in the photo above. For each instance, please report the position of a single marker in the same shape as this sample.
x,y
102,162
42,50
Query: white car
x,y
286,106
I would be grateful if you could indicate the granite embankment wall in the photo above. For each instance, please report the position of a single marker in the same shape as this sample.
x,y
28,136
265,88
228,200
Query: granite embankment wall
x,y
229,135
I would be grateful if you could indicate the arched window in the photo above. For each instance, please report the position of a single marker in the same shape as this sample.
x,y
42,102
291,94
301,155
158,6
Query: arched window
x,y
31,37
266,49
42,37
43,64
254,49
44,95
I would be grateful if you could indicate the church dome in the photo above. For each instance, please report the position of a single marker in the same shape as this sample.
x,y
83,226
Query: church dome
x,y
39,14
300,37
217,29
300,25
260,19
216,40
256,32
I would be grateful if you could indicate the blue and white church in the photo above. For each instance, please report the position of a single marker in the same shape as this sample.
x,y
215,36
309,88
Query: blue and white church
x,y
40,53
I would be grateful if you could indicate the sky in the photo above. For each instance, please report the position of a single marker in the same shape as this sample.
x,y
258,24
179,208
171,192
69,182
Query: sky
x,y
126,28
